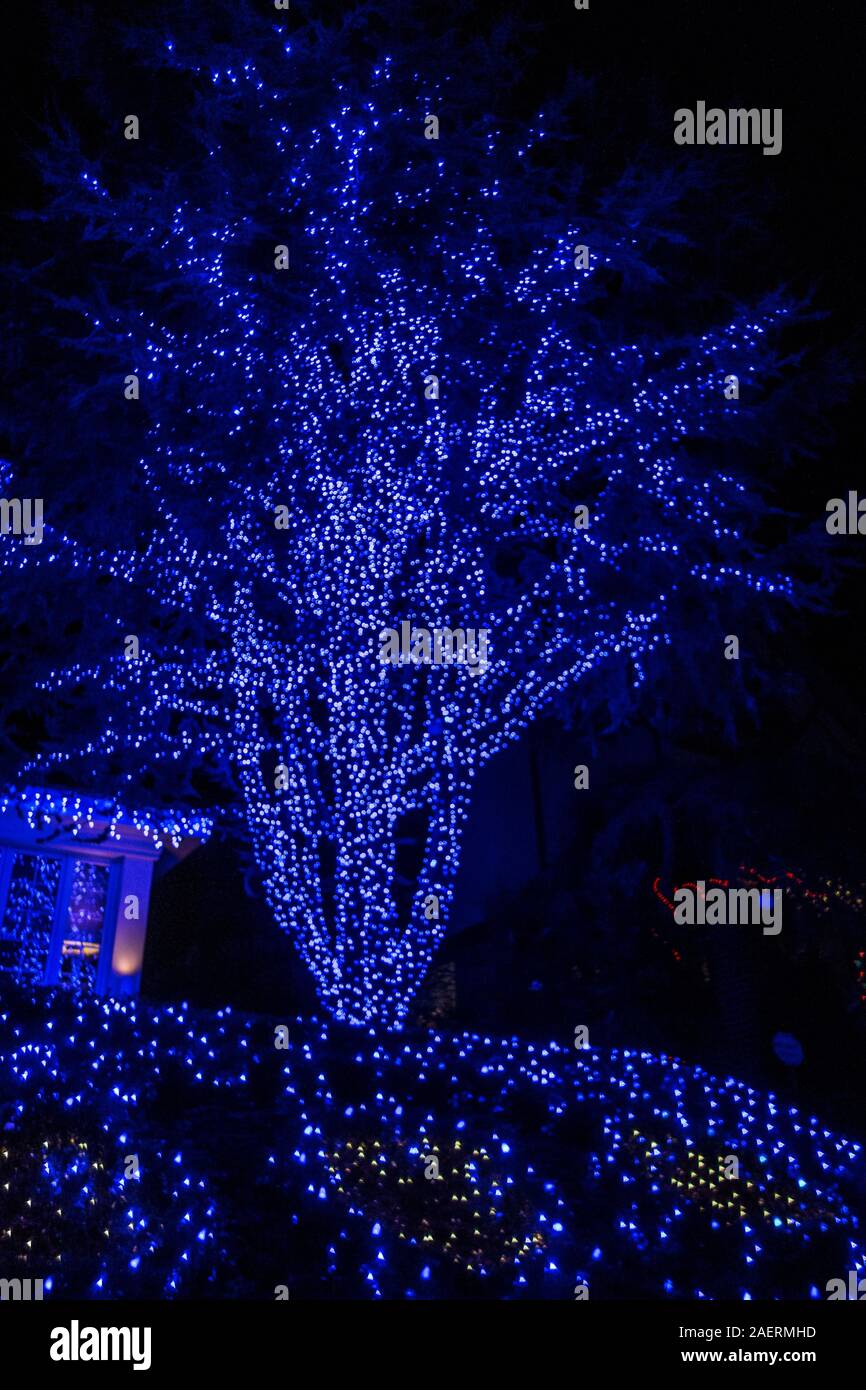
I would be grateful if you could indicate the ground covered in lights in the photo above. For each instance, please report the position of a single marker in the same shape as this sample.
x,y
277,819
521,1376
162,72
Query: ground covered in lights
x,y
167,1152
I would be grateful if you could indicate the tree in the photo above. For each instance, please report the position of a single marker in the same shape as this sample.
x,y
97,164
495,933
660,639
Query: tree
x,y
340,348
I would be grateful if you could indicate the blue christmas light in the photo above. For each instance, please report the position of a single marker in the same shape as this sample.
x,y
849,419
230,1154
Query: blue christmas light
x,y
431,433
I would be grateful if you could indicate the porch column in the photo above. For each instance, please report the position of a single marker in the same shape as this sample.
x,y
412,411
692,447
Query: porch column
x,y
126,943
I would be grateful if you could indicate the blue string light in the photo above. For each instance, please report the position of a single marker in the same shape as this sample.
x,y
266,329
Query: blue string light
x,y
623,1186
356,442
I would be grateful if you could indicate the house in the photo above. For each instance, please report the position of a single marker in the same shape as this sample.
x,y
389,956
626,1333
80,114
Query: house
x,y
75,879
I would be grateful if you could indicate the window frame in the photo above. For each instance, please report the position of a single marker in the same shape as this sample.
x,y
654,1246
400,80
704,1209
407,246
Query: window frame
x,y
67,857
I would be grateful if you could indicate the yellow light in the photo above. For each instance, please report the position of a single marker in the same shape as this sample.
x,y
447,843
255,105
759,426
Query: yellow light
x,y
126,959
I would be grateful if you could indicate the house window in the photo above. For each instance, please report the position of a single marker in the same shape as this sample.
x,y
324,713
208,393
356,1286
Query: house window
x,y
82,926
28,915
52,915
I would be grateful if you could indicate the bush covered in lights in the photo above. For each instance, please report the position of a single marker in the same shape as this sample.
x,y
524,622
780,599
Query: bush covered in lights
x,y
308,1168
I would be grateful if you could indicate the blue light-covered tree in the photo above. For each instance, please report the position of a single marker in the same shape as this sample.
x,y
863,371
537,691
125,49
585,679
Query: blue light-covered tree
x,y
389,368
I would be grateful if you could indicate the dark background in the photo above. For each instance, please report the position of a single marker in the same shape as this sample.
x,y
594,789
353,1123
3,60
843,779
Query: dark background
x,y
555,921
